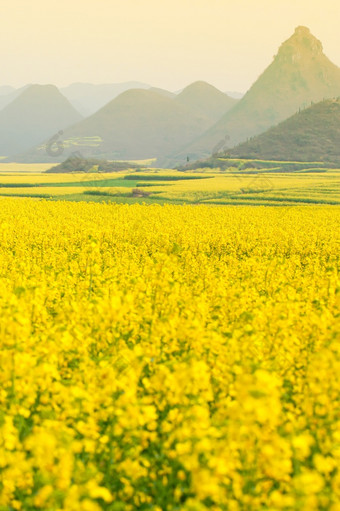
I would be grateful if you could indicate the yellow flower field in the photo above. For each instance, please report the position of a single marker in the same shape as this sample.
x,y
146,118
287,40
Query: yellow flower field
x,y
169,357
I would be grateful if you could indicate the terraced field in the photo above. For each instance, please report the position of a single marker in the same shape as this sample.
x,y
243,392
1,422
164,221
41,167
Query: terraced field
x,y
244,182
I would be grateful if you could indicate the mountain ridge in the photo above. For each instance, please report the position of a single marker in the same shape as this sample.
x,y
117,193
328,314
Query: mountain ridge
x,y
145,123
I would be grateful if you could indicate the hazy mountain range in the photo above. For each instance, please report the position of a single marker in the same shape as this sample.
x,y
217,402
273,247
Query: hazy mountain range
x,y
133,120
87,98
142,122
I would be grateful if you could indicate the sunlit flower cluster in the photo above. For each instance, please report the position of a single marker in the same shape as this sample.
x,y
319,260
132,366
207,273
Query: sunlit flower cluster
x,y
169,357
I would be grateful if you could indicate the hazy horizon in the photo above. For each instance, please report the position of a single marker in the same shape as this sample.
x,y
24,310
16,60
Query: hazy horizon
x,y
165,44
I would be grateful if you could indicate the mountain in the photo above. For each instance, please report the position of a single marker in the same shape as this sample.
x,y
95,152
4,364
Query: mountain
x,y
87,98
138,124
205,100
37,113
299,74
310,135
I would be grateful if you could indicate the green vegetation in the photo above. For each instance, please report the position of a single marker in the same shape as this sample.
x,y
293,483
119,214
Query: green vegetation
x,y
80,164
162,177
310,135
246,166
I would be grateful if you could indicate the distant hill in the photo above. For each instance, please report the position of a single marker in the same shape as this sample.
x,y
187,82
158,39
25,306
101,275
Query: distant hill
x,y
136,125
87,98
310,135
139,124
299,74
37,113
205,100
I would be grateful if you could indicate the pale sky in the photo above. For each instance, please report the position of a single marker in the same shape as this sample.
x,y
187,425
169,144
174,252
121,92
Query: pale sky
x,y
168,44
